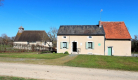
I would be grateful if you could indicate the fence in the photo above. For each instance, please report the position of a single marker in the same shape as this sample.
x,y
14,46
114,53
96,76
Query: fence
x,y
12,47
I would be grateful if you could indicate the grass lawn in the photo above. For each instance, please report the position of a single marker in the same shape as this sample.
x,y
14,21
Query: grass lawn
x,y
106,62
14,78
32,55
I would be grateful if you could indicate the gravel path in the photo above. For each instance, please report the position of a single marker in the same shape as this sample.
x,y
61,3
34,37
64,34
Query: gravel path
x,y
52,72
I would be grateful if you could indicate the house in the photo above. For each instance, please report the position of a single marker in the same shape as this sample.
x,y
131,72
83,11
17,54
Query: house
x,y
32,37
107,38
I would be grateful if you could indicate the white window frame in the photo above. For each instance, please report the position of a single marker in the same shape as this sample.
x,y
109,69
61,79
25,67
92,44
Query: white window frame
x,y
62,45
92,47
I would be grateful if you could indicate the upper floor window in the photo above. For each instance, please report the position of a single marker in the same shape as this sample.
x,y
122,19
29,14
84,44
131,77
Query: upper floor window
x,y
90,36
64,36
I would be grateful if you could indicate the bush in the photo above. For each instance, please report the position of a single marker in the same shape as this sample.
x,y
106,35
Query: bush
x,y
66,52
53,52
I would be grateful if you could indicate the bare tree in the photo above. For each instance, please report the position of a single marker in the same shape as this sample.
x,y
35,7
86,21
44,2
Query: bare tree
x,y
136,37
46,40
5,38
12,38
44,37
134,44
0,39
53,35
1,2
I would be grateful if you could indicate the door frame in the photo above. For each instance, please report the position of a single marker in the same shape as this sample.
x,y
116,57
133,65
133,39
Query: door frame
x,y
111,50
76,46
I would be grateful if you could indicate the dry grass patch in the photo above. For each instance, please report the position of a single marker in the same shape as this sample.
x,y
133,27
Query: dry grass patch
x,y
60,59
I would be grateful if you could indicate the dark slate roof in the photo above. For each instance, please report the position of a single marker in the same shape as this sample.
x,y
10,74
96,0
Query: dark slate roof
x,y
32,36
80,30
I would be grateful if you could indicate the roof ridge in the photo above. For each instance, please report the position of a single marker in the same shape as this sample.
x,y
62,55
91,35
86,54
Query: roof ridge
x,y
78,25
112,21
34,30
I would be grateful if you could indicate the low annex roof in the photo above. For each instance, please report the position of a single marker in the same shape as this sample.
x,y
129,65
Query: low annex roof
x,y
115,30
80,30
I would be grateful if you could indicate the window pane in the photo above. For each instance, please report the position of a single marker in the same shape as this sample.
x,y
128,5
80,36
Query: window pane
x,y
90,45
64,44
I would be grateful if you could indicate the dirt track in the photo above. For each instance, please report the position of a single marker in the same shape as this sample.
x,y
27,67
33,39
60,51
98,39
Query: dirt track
x,y
50,72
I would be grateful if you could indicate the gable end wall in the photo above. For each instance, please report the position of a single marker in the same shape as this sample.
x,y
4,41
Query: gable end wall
x,y
119,47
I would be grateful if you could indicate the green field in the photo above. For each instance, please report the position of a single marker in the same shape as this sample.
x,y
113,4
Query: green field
x,y
14,78
32,55
105,62
88,61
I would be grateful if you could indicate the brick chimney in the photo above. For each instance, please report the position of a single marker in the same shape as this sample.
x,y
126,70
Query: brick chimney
x,y
100,25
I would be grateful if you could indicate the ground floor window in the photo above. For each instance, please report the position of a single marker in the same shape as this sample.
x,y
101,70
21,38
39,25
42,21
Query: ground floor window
x,y
89,45
64,44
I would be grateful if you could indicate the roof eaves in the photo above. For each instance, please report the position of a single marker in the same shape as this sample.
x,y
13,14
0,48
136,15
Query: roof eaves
x,y
112,21
34,30
81,34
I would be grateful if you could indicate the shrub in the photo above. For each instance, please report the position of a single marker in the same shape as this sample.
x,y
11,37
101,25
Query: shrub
x,y
66,52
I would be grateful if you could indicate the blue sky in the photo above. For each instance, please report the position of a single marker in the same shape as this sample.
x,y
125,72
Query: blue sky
x,y
42,14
